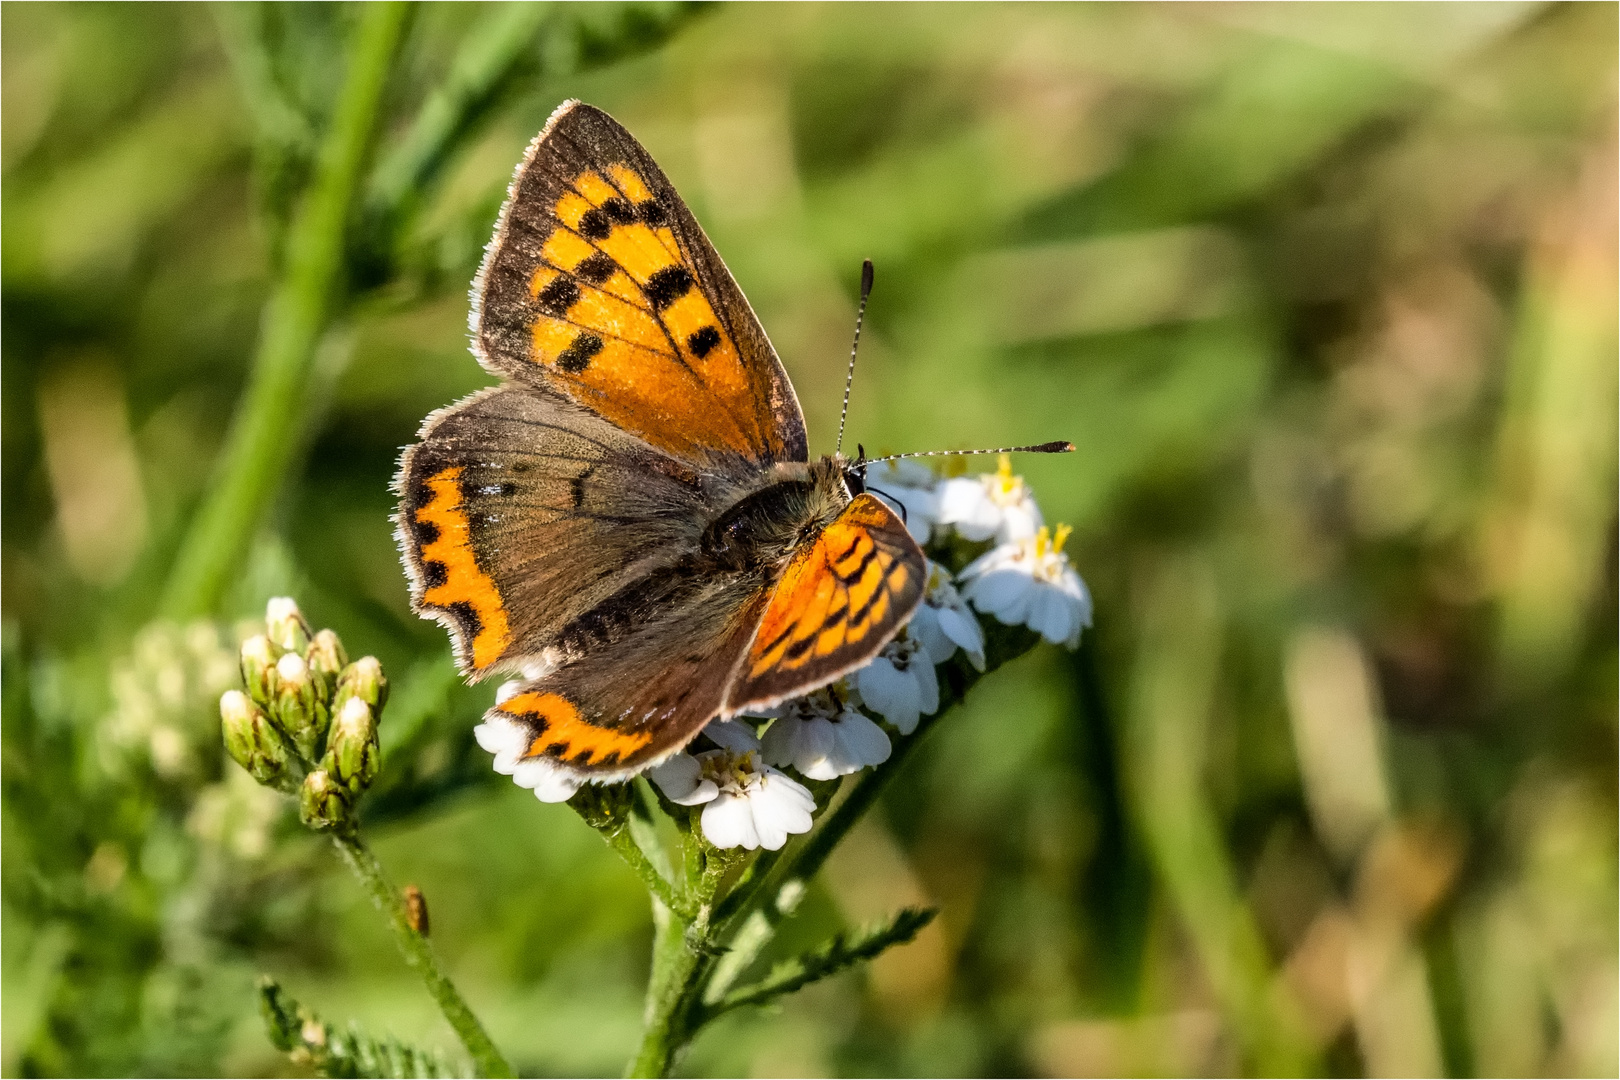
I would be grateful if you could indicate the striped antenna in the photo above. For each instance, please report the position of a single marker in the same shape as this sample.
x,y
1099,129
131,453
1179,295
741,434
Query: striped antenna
x,y
860,317
1059,447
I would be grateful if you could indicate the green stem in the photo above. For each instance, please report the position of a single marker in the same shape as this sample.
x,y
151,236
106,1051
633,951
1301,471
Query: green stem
x,y
671,991
419,955
492,55
621,840
265,433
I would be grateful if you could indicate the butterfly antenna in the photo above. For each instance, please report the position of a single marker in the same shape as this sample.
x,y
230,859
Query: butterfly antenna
x,y
860,317
1059,447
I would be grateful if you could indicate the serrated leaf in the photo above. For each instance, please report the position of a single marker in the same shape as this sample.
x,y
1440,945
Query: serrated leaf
x,y
312,1043
838,953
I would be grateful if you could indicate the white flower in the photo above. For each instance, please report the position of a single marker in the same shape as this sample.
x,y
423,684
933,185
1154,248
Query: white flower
x,y
1031,583
996,504
900,683
746,803
910,487
943,622
508,740
824,737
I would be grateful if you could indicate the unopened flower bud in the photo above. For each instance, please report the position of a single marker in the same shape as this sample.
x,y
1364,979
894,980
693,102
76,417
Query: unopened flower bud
x,y
363,679
286,624
298,707
251,739
259,669
322,803
326,660
352,752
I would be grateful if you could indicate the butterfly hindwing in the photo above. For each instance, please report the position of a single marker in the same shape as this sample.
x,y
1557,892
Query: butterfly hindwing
x,y
652,687
839,601
600,284
521,513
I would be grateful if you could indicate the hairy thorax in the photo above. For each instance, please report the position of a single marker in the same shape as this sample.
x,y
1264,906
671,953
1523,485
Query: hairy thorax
x,y
763,529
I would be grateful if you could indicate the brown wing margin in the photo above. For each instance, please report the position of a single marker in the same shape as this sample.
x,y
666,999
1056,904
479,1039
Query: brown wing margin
x,y
561,300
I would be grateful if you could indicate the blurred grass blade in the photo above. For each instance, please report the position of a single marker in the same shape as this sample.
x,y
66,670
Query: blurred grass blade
x,y
1553,521
1172,693
493,54
269,419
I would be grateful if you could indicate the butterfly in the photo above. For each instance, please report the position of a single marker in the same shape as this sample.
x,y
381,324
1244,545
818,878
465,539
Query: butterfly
x,y
630,521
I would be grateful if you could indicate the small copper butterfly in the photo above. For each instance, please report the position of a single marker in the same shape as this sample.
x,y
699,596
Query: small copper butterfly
x,y
630,521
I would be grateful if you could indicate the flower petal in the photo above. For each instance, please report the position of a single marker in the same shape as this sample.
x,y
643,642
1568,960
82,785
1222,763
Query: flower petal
x,y
505,738
1019,521
964,630
728,822
1004,593
550,782
781,806
927,629
891,692
927,680
681,779
860,741
964,504
731,735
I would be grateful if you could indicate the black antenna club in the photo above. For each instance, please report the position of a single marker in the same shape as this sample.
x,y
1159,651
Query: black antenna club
x,y
849,377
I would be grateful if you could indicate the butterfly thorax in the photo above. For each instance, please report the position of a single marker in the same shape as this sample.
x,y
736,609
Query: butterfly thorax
x,y
762,530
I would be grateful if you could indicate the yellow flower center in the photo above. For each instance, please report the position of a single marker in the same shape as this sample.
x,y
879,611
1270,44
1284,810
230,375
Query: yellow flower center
x,y
1047,544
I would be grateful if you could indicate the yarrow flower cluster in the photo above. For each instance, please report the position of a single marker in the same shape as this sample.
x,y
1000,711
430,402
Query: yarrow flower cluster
x,y
740,770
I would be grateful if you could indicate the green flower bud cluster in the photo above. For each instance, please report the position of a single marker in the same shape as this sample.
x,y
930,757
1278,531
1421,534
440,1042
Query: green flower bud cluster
x,y
305,722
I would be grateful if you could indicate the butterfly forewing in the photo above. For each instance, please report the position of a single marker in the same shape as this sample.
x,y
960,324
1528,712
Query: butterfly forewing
x,y
601,284
521,512
839,601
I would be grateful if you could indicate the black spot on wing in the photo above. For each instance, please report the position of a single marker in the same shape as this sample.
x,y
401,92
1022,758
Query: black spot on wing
x,y
619,211
577,356
434,574
800,649
558,296
467,617
701,341
594,224
596,268
667,286
652,212
426,533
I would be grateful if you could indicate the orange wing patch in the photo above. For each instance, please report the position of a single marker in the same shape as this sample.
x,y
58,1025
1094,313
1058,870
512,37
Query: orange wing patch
x,y
623,323
459,585
562,733
839,600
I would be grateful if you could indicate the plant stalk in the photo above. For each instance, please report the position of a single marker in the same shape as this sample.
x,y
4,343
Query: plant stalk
x,y
265,433
487,1060
671,990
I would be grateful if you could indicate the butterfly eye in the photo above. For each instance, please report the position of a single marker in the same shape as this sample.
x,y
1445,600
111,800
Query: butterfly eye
x,y
854,481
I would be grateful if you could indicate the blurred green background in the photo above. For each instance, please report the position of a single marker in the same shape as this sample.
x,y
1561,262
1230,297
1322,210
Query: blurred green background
x,y
1325,295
